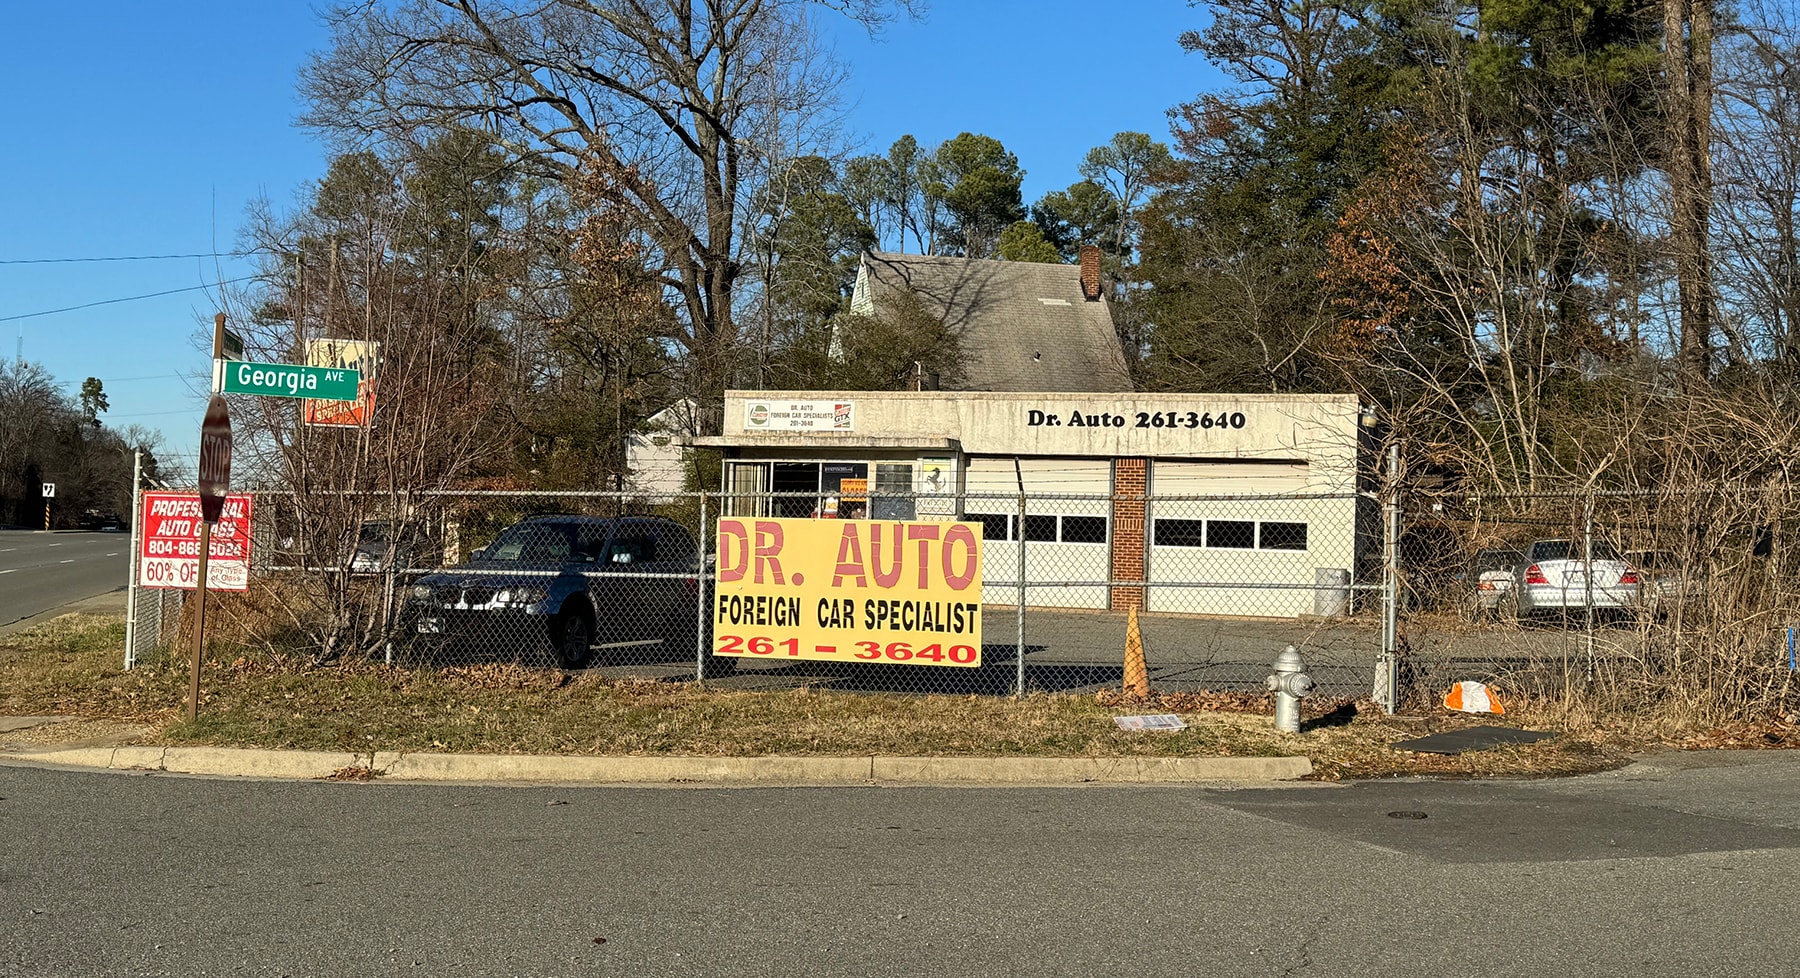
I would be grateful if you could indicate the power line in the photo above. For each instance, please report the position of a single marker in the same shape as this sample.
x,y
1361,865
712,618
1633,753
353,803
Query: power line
x,y
71,261
122,380
129,298
162,376
198,409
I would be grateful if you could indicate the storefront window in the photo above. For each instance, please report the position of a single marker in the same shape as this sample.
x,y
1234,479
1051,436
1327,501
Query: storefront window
x,y
893,499
848,482
748,488
799,490
796,489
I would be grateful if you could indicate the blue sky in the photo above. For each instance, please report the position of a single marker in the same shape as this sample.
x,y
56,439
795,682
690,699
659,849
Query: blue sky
x,y
146,129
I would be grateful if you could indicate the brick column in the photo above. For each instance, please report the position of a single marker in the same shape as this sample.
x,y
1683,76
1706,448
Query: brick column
x,y
1128,532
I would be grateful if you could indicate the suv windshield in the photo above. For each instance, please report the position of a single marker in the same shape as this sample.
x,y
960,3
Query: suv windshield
x,y
533,543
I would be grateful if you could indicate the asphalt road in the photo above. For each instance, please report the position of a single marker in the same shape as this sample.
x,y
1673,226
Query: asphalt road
x,y
1661,869
40,571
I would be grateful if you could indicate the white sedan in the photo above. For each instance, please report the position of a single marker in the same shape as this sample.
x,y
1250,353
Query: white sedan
x,y
1557,577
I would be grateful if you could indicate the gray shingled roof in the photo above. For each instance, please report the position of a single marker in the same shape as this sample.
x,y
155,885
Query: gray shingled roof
x,y
1024,325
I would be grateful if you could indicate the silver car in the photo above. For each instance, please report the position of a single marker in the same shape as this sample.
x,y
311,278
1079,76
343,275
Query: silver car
x,y
1490,579
1667,583
1556,577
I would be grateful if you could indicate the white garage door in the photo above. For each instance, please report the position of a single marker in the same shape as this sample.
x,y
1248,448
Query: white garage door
x,y
1067,529
1250,546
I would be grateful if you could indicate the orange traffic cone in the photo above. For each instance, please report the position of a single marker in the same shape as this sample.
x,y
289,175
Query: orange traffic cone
x,y
1137,674
1472,697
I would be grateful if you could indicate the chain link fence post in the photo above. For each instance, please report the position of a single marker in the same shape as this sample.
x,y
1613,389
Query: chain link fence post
x,y
131,563
1587,586
1019,531
1389,672
702,584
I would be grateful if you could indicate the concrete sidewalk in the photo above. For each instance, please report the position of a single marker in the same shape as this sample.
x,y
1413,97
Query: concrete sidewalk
x,y
527,768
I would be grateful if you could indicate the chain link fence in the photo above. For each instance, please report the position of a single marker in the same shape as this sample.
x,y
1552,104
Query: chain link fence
x,y
1642,599
625,584
1627,600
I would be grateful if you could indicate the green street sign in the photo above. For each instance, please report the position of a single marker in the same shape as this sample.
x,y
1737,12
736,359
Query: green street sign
x,y
285,380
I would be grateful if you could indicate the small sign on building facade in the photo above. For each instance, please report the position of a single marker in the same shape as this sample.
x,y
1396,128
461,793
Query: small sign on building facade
x,y
800,416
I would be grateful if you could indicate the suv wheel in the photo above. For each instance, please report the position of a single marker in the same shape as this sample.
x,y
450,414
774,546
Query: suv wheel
x,y
572,638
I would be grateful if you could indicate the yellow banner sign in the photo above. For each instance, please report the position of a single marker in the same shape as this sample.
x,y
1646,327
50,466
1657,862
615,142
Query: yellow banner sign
x,y
848,590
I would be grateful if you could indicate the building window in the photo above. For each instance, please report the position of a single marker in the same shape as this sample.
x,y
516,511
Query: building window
x,y
796,489
1180,533
1084,529
1230,535
893,499
994,526
1040,528
1281,536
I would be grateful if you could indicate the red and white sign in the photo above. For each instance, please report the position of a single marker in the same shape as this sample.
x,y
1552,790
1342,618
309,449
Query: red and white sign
x,y
215,459
357,355
170,553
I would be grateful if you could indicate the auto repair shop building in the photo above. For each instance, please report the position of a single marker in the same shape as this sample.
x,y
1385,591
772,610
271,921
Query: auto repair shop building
x,y
1253,493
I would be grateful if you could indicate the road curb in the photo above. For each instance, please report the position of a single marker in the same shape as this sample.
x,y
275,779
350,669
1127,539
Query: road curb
x,y
503,768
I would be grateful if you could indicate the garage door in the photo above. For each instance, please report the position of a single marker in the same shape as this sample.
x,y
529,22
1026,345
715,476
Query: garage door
x,y
1248,544
1067,529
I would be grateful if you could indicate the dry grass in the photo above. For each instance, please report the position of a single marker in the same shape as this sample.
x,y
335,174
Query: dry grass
x,y
71,666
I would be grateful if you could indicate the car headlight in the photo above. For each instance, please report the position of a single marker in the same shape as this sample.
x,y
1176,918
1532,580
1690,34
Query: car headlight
x,y
520,596
421,592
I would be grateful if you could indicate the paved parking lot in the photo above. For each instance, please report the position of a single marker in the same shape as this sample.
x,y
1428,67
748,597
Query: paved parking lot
x,y
1083,651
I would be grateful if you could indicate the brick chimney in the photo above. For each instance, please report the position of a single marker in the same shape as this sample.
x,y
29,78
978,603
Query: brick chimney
x,y
1090,273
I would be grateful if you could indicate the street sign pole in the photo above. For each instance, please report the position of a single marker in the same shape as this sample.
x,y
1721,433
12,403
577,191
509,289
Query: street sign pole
x,y
193,697
215,481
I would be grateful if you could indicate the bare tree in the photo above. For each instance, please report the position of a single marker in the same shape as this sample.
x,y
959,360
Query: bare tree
x,y
1757,185
664,101
401,260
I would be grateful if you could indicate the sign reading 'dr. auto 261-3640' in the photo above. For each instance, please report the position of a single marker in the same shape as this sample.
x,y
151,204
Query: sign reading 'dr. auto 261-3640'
x,y
844,590
170,553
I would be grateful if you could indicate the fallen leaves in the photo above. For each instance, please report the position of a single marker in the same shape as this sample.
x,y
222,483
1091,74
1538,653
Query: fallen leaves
x,y
1769,732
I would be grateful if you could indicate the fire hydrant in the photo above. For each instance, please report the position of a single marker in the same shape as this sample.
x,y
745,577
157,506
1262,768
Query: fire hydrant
x,y
1289,683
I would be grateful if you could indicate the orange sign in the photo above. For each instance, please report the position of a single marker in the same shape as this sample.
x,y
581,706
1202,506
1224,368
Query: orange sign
x,y
355,355
849,590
